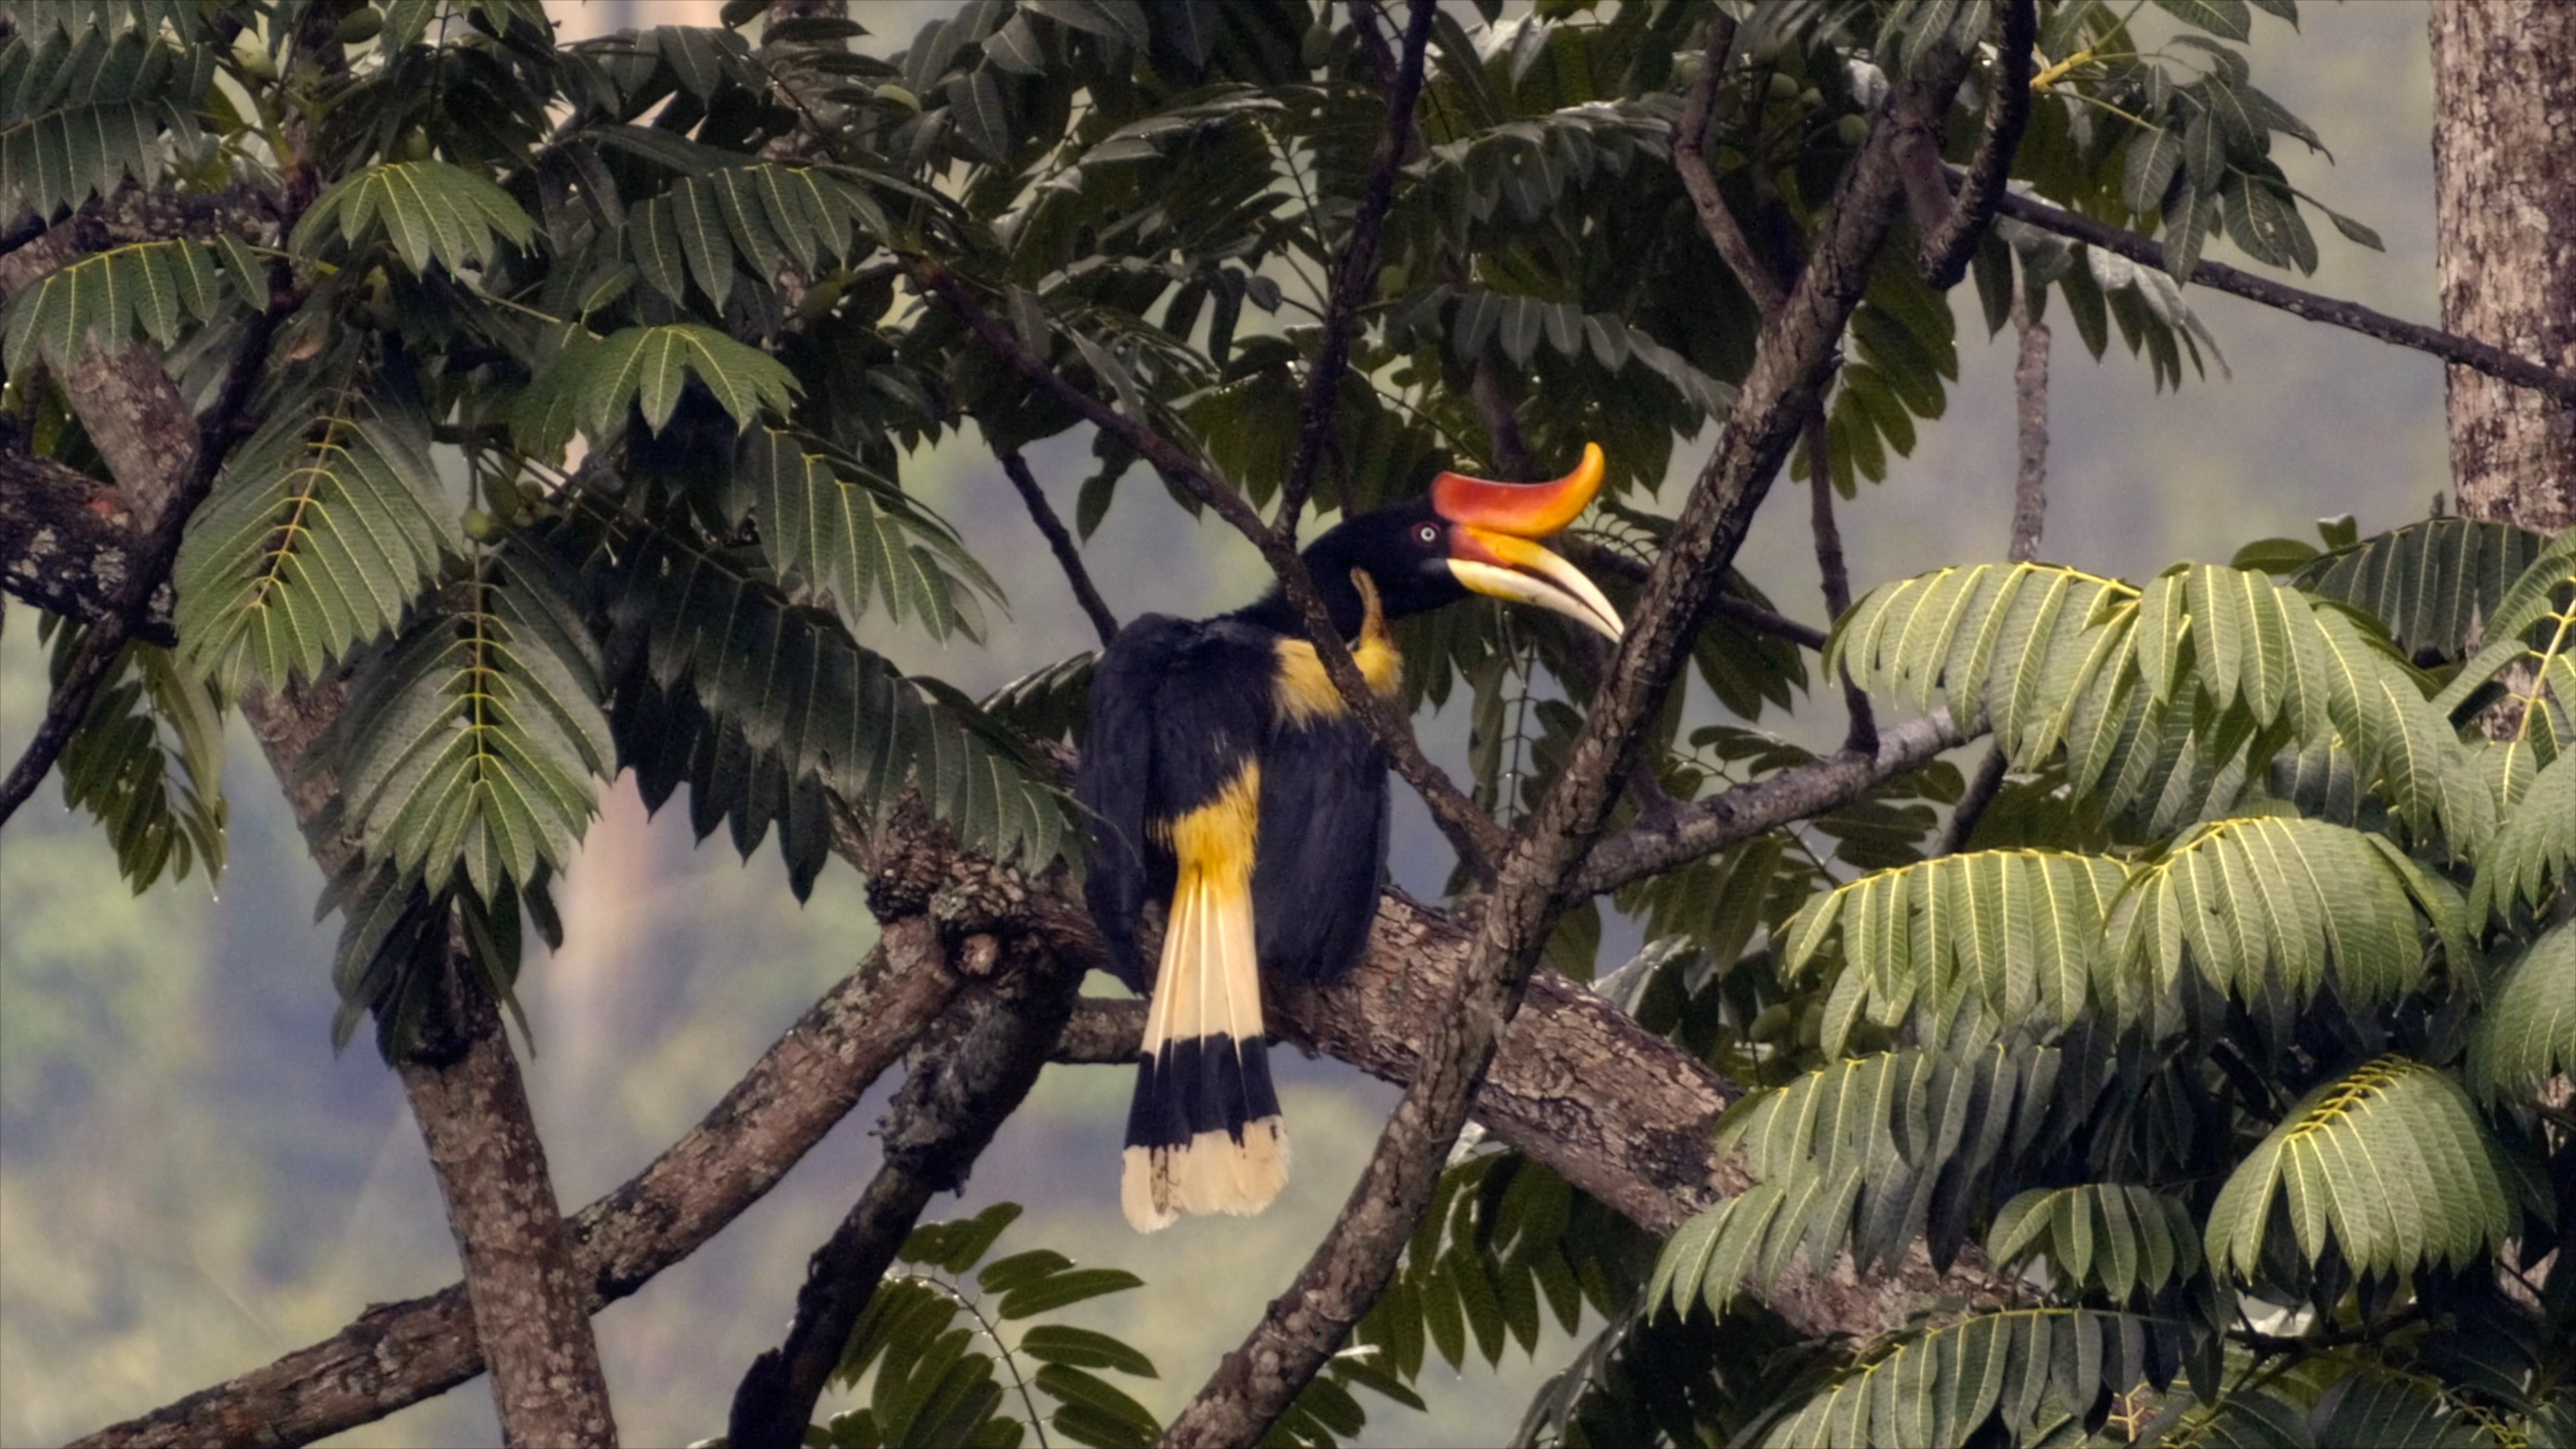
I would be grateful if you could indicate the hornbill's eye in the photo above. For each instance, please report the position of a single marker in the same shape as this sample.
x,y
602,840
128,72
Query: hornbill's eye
x,y
1428,533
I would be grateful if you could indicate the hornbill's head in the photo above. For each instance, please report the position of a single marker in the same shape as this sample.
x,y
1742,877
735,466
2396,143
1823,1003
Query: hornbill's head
x,y
1470,535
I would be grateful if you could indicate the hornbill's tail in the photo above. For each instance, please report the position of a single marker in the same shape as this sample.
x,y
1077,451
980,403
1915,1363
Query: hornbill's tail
x,y
1204,1133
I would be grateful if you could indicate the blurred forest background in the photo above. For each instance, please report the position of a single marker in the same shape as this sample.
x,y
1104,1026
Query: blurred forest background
x,y
192,1183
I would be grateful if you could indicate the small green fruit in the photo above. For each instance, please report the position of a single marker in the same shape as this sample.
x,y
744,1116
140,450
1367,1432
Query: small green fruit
x,y
253,61
1317,47
481,526
415,147
1852,130
1783,85
361,25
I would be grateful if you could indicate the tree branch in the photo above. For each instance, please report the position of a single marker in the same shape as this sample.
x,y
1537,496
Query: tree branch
x,y
961,1088
2352,316
1576,1085
1690,138
69,544
1947,250
1067,555
1354,1262
398,1354
1835,576
1357,279
179,494
2030,513
1476,837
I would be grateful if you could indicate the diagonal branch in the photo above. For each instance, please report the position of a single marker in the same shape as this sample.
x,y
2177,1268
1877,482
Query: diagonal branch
x,y
1357,278
1476,837
961,1088
1835,575
2451,347
1353,1264
1690,137
158,552
1948,249
1067,555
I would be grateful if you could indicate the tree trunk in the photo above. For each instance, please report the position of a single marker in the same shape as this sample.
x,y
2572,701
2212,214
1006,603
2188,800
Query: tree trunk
x,y
2504,165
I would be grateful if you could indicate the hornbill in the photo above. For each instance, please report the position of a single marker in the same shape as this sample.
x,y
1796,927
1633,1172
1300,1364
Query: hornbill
x,y
1223,774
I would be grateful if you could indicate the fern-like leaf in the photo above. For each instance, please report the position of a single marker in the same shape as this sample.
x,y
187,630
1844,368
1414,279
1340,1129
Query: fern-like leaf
x,y
2533,858
157,289
2528,1029
2160,691
322,532
648,366
2275,901
473,741
1873,1151
2021,929
429,210
147,762
852,533
2389,1165
2434,584
795,683
1938,1387
2117,1236
87,104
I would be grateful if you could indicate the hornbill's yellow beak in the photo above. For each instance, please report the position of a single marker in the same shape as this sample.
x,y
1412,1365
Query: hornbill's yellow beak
x,y
1493,528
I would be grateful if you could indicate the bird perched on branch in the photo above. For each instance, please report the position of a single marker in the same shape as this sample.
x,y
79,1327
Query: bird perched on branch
x,y
1225,777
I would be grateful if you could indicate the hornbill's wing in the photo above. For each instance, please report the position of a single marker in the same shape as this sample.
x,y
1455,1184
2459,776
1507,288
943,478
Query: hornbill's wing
x,y
1315,877
1178,707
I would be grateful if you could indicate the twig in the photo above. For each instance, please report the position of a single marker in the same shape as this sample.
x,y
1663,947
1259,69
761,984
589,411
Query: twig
x,y
957,1096
1746,810
2030,511
1066,554
1353,1264
1593,558
2352,316
159,551
1473,833
1834,575
1357,279
1690,137
1947,250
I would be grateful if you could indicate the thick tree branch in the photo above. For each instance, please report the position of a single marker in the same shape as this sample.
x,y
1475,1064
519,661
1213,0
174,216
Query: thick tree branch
x,y
1948,249
69,544
961,1088
1352,1265
2030,512
2352,316
1357,278
1067,555
1476,837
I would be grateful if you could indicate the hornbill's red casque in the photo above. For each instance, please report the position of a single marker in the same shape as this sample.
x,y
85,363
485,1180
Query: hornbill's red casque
x,y
1223,774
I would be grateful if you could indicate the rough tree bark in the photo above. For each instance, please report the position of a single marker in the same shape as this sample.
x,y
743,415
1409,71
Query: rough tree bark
x,y
2504,171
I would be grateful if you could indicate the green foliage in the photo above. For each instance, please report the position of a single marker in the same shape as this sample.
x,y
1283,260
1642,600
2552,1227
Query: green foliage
x,y
147,762
427,210
2387,1167
328,526
2157,695
2528,1030
2118,1237
158,289
931,1384
2019,1370
473,737
2435,583
89,101
2021,929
